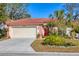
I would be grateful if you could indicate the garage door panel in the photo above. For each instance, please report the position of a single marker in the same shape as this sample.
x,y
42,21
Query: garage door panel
x,y
24,32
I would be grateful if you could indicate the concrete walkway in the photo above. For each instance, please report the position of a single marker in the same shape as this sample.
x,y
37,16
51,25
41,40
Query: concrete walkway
x,y
16,45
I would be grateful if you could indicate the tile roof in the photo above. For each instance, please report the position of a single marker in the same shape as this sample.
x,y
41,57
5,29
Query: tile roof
x,y
29,21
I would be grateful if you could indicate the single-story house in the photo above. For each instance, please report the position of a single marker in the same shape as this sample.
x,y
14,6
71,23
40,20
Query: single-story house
x,y
24,28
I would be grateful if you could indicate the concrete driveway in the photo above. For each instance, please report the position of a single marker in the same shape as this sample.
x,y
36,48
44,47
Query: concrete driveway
x,y
22,47
16,45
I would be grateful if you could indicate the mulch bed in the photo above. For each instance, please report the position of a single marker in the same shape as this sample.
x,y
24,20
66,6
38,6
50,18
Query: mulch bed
x,y
39,47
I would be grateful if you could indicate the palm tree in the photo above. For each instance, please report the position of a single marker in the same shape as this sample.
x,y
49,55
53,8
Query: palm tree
x,y
51,16
59,14
69,16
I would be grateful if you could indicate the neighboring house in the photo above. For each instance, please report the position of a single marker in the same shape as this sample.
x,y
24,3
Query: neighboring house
x,y
25,28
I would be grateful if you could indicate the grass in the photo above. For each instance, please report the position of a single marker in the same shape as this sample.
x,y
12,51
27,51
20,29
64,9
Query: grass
x,y
39,47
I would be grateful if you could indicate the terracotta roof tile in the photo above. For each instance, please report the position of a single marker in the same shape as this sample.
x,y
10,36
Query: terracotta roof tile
x,y
29,21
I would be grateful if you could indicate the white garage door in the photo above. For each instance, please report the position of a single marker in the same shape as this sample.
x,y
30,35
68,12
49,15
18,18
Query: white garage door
x,y
24,32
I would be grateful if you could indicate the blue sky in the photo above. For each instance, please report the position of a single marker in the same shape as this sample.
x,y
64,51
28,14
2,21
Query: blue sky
x,y
42,10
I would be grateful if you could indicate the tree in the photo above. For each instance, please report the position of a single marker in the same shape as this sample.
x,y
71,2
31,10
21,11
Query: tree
x,y
72,10
3,16
69,16
51,16
17,11
59,14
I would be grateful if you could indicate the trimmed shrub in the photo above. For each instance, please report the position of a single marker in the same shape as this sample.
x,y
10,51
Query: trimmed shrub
x,y
54,40
58,41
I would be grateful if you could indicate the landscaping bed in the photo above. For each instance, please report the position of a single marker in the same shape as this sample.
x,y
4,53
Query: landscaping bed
x,y
39,47
63,36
